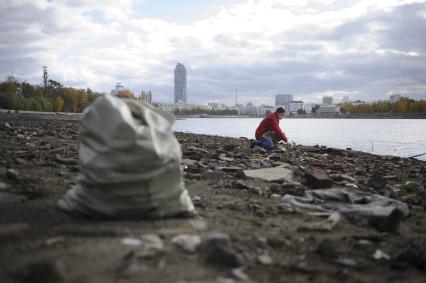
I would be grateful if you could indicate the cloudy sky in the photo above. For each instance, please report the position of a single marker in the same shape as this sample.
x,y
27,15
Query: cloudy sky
x,y
309,48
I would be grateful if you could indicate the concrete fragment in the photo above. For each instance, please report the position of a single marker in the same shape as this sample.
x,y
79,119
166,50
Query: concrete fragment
x,y
271,174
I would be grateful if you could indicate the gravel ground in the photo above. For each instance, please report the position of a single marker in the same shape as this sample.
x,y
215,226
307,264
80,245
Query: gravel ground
x,y
243,232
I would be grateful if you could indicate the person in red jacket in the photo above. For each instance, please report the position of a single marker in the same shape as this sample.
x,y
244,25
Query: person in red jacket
x,y
268,133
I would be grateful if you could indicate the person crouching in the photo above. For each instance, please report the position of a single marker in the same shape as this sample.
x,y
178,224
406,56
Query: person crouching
x,y
269,133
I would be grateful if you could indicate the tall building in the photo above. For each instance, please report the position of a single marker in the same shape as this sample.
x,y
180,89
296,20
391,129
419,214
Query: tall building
x,y
327,100
283,100
180,83
146,96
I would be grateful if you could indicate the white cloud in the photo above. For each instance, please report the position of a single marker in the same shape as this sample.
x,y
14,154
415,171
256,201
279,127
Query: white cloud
x,y
260,47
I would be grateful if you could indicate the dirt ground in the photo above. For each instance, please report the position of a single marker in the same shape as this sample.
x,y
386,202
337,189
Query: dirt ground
x,y
255,237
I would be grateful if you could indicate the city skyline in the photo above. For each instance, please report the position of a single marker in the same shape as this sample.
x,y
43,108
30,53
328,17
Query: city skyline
x,y
365,50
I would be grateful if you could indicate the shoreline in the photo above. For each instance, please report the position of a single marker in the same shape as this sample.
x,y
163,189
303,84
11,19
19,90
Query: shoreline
x,y
179,117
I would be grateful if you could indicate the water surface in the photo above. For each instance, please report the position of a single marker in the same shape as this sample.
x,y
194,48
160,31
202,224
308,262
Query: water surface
x,y
399,137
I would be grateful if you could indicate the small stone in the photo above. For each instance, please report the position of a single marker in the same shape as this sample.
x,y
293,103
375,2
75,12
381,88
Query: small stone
x,y
3,186
276,196
349,262
225,158
187,243
217,249
325,226
265,259
150,246
12,174
351,186
54,240
131,242
239,274
189,162
378,255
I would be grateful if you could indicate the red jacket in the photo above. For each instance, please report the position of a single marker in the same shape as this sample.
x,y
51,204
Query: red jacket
x,y
270,123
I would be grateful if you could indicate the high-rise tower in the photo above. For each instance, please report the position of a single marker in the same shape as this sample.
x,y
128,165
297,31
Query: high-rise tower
x,y
180,83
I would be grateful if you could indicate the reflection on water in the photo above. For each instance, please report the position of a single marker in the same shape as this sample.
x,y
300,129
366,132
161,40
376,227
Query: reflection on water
x,y
400,137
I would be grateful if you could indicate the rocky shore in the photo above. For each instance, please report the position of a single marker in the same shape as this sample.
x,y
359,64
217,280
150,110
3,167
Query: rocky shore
x,y
295,214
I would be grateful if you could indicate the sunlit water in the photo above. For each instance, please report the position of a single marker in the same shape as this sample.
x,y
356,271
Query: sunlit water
x,y
400,137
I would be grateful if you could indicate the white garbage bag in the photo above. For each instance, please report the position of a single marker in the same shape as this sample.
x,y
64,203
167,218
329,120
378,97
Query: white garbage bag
x,y
129,163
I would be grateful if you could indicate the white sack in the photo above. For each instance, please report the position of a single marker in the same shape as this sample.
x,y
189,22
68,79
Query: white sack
x,y
129,163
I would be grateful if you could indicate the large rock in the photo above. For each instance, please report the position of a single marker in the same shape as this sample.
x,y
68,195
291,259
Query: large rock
x,y
271,174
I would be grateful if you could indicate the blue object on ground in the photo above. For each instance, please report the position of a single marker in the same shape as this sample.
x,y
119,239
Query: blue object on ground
x,y
265,143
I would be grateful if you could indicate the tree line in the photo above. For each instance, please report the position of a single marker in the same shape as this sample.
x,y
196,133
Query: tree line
x,y
17,95
403,105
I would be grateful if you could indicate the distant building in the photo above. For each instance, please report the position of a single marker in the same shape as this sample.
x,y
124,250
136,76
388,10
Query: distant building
x,y
264,110
327,100
146,96
328,110
180,83
295,105
283,100
217,106
171,107
118,87
308,108
394,97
